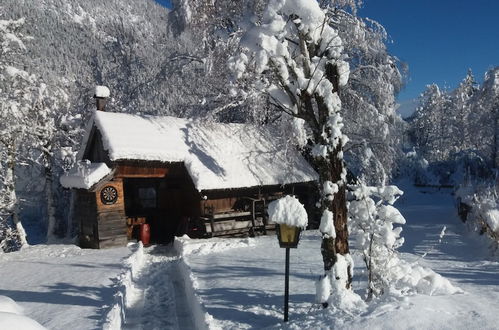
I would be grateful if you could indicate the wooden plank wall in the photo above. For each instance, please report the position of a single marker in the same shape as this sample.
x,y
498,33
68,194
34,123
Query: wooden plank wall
x,y
140,170
111,220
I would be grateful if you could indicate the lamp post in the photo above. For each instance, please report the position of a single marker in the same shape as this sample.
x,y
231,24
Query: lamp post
x,y
290,217
288,237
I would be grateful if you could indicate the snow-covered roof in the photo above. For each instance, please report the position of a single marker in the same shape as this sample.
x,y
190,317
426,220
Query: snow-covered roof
x,y
84,175
217,156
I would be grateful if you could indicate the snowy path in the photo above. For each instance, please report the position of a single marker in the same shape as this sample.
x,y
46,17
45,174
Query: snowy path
x,y
461,256
157,298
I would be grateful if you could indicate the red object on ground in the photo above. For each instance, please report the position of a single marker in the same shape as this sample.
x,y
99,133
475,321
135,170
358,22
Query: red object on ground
x,y
145,233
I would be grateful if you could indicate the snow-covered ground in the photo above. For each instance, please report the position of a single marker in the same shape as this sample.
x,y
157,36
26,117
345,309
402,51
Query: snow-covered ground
x,y
238,283
243,287
62,286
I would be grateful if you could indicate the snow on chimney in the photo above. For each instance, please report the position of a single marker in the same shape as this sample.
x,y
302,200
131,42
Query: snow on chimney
x,y
101,95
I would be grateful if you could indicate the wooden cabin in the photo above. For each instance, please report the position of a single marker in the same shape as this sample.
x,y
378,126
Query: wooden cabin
x,y
180,176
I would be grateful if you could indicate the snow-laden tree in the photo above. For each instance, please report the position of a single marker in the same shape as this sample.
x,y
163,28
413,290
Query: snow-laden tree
x,y
368,101
299,61
431,124
209,31
460,112
459,129
377,225
486,109
373,217
15,99
49,134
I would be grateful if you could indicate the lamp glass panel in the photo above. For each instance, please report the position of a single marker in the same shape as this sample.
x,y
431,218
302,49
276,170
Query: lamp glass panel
x,y
288,233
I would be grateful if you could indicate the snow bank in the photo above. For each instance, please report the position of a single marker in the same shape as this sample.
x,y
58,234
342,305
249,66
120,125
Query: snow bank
x,y
16,321
84,175
481,210
202,319
8,305
116,315
11,316
413,278
288,211
217,156
341,297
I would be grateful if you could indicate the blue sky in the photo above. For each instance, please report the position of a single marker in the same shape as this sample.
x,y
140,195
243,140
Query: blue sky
x,y
439,39
165,3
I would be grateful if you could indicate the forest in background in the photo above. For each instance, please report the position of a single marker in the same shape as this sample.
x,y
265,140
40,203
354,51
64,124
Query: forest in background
x,y
175,62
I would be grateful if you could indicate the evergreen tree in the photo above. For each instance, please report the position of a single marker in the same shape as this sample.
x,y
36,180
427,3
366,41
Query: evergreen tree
x,y
459,113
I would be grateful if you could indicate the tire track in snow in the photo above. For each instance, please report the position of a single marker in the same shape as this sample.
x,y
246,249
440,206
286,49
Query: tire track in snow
x,y
157,297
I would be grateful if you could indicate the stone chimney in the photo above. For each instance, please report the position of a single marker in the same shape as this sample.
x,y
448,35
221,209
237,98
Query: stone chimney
x,y
101,95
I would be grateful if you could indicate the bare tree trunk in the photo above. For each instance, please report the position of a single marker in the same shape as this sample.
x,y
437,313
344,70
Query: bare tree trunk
x,y
70,229
13,201
49,200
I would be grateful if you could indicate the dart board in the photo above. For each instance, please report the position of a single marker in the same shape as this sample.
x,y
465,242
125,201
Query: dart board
x,y
108,195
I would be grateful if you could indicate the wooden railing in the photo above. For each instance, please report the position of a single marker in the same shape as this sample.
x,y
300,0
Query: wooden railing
x,y
229,222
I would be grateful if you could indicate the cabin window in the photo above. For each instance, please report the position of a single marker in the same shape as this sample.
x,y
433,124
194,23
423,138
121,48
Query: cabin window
x,y
147,197
141,196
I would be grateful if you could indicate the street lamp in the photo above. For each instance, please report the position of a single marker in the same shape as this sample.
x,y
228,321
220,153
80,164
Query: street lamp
x,y
290,216
288,236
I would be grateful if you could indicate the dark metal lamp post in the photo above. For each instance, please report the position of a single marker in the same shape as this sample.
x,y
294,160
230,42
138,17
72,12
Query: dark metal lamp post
x,y
288,237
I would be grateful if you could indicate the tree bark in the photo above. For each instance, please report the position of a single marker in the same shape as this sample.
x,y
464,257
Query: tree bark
x,y
13,201
330,247
49,200
333,169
